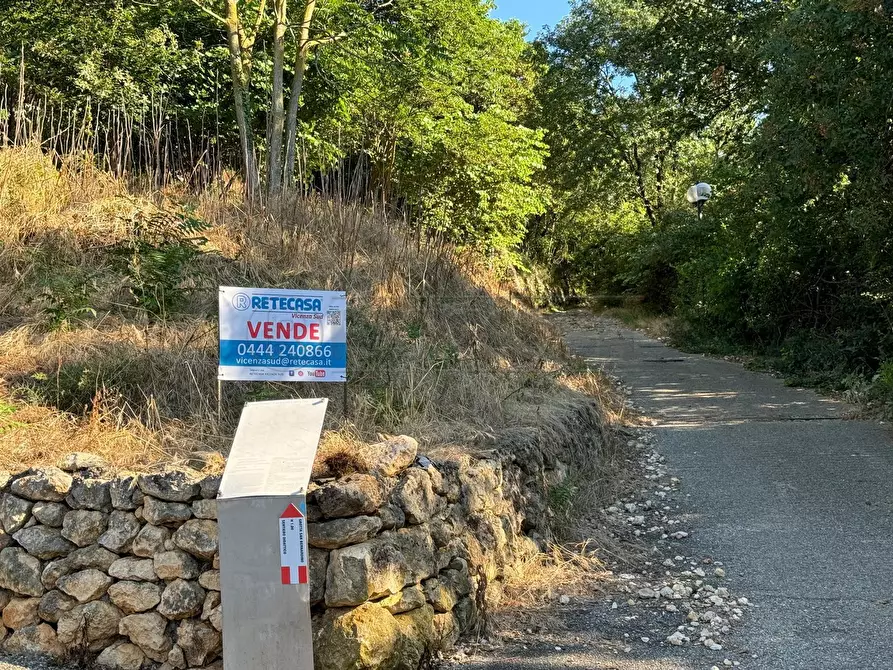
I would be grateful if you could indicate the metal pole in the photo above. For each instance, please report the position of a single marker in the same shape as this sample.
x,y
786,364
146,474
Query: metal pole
x,y
219,404
346,407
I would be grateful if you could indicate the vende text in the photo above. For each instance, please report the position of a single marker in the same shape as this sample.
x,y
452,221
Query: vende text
x,y
273,330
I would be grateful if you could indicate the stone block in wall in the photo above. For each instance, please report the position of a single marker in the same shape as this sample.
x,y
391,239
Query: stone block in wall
x,y
446,630
43,542
54,604
50,513
161,513
415,495
466,613
5,539
123,527
134,597
367,636
205,509
199,641
14,512
392,517
81,460
83,527
210,580
135,569
124,493
175,485
150,541
21,612
349,496
198,537
85,585
92,625
89,493
379,567
50,484
215,618
417,625
39,640
444,530
389,458
440,595
342,532
121,655
176,564
149,632
212,602
181,599
20,572
319,563
448,587
480,484
175,659
410,598
94,556
449,485
209,485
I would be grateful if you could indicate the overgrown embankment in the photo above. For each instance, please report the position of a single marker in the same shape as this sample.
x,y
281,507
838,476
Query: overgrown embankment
x,y
108,333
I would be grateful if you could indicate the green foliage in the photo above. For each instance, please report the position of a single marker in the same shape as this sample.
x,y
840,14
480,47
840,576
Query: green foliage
x,y
76,387
158,257
116,52
785,109
67,299
7,411
562,497
435,97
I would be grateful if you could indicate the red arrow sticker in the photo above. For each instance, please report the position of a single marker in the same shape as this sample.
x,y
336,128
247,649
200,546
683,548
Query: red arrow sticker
x,y
293,546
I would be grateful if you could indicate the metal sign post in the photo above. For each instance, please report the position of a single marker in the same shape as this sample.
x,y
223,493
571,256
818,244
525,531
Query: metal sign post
x,y
264,555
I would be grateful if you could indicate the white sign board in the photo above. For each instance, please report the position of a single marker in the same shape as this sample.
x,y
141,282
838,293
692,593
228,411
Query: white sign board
x,y
265,566
286,335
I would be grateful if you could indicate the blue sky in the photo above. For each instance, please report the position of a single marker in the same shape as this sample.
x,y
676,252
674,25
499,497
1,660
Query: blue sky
x,y
535,13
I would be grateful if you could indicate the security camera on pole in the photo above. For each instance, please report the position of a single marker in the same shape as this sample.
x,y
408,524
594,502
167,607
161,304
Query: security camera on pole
x,y
698,195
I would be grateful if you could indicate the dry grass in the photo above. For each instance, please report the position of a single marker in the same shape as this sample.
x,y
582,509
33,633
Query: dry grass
x,y
533,587
440,348
538,581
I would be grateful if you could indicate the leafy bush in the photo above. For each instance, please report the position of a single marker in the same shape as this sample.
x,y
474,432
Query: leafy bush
x,y
159,256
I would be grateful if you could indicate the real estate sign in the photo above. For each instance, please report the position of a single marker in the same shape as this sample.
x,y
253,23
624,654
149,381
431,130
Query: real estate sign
x,y
282,335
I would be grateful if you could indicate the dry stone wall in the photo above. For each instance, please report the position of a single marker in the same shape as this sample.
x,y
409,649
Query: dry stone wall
x,y
406,555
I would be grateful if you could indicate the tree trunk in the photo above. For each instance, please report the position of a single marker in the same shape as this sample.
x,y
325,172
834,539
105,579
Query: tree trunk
x,y
659,180
291,131
641,188
277,108
240,95
294,103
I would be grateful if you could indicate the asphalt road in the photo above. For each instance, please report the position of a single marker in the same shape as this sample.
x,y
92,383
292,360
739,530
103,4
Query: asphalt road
x,y
796,499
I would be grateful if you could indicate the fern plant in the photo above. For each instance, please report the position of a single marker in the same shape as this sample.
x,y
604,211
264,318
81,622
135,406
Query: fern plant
x,y
159,256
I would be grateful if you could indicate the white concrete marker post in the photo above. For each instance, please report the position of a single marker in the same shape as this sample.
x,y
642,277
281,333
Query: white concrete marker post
x,y
264,556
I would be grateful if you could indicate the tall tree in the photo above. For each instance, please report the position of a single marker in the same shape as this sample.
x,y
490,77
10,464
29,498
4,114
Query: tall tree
x,y
241,36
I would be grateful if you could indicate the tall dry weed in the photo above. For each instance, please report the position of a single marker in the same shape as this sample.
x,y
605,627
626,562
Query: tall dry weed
x,y
439,347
